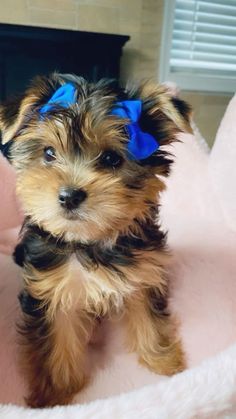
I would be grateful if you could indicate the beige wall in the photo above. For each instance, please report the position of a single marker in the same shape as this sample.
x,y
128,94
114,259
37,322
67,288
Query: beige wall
x,y
141,19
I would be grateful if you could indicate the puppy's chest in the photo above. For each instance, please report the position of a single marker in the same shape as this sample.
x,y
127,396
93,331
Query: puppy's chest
x,y
98,288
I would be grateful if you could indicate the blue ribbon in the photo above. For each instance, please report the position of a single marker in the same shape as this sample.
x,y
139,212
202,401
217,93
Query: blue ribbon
x,y
140,145
64,96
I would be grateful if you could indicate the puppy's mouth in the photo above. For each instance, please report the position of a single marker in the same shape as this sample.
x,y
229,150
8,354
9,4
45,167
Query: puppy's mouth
x,y
71,215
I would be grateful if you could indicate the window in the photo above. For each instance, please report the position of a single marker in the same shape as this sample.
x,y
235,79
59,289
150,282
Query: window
x,y
199,44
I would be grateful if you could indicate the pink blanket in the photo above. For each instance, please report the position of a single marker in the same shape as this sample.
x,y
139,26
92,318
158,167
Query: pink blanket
x,y
199,210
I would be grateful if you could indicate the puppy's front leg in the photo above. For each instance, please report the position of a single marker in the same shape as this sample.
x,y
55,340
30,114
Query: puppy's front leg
x,y
53,351
151,333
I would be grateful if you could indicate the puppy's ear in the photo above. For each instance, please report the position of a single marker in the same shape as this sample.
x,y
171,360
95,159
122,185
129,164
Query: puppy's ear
x,y
17,112
181,106
164,115
13,114
185,111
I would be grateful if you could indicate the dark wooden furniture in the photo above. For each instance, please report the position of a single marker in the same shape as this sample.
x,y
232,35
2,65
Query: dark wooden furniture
x,y
26,51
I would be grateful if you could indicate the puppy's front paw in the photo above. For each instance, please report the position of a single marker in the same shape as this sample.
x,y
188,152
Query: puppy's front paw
x,y
168,360
47,394
48,398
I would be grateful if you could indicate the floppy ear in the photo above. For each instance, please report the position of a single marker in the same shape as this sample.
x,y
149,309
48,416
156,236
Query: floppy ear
x,y
183,107
163,116
185,111
165,113
17,112
13,115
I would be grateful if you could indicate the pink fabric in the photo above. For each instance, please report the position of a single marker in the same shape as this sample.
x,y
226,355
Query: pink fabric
x,y
198,209
9,209
222,166
10,213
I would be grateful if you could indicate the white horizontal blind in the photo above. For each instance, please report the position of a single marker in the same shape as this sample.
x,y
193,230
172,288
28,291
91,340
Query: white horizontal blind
x,y
198,50
204,37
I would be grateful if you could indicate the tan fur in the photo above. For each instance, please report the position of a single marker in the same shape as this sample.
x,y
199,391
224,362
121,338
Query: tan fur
x,y
153,337
152,90
10,131
55,363
75,292
96,291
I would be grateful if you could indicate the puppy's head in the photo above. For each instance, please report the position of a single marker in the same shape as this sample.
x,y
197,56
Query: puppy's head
x,y
89,157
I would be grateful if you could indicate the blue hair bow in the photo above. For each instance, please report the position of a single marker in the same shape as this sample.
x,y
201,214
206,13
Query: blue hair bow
x,y
141,144
64,97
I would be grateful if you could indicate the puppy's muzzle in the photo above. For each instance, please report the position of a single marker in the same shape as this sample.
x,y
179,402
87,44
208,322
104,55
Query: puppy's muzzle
x,y
70,198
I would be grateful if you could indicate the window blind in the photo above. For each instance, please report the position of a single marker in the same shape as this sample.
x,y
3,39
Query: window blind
x,y
204,37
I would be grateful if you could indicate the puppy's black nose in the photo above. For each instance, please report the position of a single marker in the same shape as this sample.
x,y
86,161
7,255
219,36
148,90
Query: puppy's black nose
x,y
71,198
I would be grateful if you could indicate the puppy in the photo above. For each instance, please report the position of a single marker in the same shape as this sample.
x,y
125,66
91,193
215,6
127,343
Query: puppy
x,y
90,167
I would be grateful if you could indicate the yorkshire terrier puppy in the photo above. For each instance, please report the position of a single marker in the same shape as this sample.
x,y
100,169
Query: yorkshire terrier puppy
x,y
90,167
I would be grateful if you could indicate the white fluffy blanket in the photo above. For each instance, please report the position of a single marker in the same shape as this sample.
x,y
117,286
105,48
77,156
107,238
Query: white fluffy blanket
x,y
199,210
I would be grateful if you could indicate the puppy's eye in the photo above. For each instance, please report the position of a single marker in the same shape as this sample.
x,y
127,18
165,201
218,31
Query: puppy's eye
x,y
49,154
111,158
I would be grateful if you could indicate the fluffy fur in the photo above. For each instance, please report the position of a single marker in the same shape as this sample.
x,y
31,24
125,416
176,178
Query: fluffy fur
x,y
112,241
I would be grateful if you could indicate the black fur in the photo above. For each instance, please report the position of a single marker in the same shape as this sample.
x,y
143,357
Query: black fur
x,y
19,254
158,302
6,149
9,110
183,107
152,239
44,251
160,159
30,305
40,250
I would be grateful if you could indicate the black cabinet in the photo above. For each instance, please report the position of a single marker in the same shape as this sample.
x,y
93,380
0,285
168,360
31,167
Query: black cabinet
x,y
27,51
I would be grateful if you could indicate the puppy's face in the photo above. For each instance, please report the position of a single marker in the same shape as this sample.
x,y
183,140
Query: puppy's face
x,y
75,177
